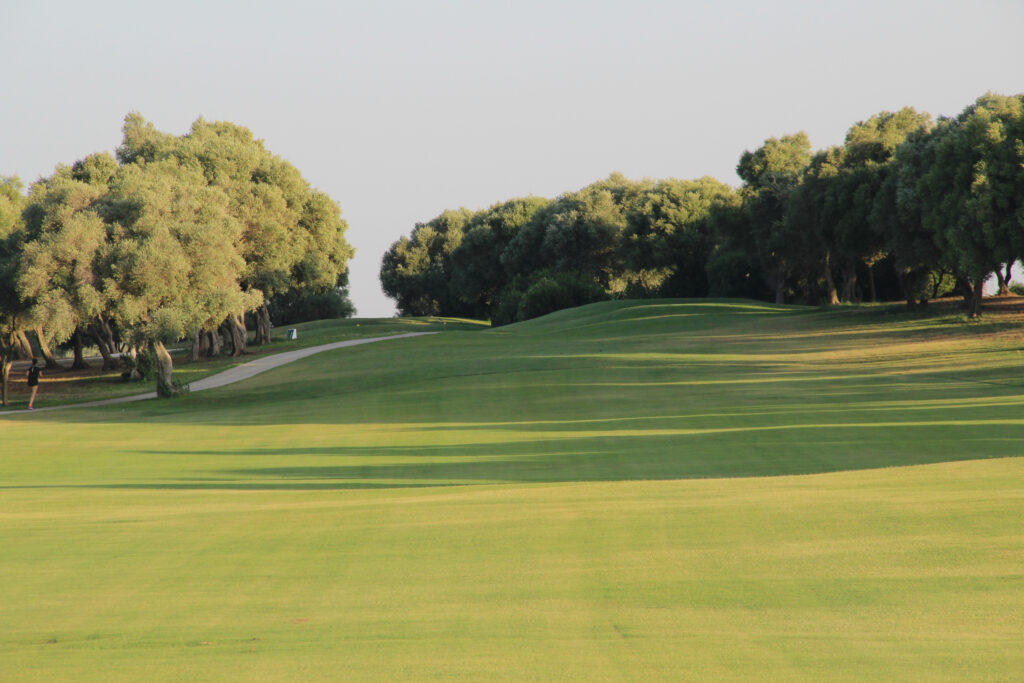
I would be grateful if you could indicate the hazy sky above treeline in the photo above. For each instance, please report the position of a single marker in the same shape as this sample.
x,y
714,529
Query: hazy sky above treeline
x,y
401,109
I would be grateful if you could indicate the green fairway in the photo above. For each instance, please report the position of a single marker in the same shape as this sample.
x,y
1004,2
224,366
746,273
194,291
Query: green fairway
x,y
658,490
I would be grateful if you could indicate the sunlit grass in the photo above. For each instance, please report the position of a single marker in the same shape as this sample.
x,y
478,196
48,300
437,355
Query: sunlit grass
x,y
715,496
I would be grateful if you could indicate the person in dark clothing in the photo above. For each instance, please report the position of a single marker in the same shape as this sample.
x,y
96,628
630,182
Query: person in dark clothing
x,y
33,381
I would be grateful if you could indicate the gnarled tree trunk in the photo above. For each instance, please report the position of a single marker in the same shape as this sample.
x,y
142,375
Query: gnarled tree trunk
x,y
200,345
977,286
8,353
164,369
79,362
206,344
234,330
104,336
108,356
44,349
24,348
5,374
216,343
240,333
224,331
263,325
1004,287
1004,279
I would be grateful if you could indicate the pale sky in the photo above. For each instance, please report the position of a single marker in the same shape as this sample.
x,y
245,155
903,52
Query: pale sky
x,y
401,109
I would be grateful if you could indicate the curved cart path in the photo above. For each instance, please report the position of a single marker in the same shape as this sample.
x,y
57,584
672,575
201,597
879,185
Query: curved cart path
x,y
231,375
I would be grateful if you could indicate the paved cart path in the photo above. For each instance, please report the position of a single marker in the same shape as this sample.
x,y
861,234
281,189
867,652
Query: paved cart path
x,y
231,375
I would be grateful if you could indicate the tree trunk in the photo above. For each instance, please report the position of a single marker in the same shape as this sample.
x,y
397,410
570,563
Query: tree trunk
x,y
234,328
974,300
44,349
850,280
164,368
204,344
216,343
101,344
263,325
5,373
1004,284
1003,277
79,362
780,287
241,332
24,348
198,342
975,307
871,284
830,284
104,336
224,332
904,281
937,277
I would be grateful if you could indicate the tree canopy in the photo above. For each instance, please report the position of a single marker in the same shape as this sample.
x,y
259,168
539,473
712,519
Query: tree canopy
x,y
12,310
175,237
905,207
292,237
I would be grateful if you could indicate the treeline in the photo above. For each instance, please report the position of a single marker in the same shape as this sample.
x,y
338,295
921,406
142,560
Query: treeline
x,y
174,238
907,208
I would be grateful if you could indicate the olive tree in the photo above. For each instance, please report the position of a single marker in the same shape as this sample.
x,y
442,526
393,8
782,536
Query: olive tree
x,y
291,238
170,263
12,311
57,276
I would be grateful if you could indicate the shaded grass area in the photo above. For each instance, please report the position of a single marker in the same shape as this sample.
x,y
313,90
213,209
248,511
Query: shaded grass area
x,y
66,387
610,493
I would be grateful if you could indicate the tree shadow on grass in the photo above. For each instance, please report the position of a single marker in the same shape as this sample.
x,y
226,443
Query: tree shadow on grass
x,y
592,459
216,485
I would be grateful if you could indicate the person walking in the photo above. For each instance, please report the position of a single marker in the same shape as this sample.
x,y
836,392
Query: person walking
x,y
33,381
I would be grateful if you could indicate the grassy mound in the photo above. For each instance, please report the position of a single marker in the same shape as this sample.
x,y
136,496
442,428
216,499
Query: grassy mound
x,y
605,493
